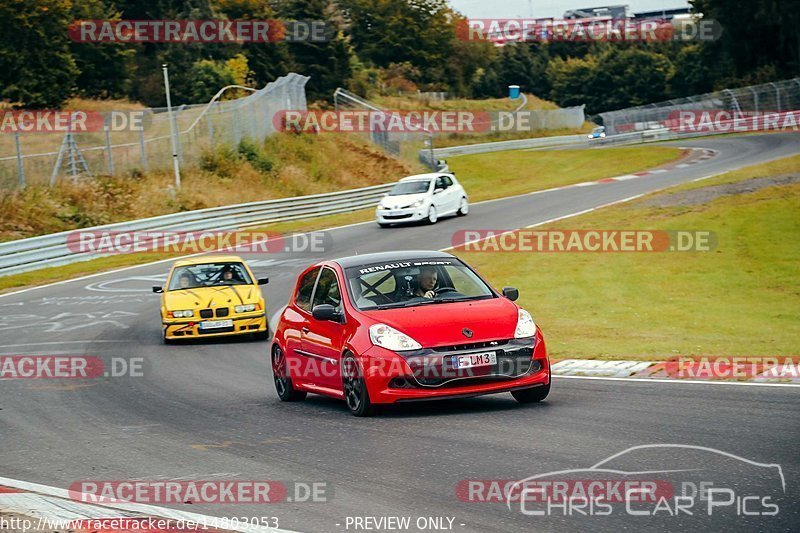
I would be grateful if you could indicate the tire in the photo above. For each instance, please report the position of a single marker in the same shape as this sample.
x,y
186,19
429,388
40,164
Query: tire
x,y
164,339
532,395
354,387
283,384
463,208
433,217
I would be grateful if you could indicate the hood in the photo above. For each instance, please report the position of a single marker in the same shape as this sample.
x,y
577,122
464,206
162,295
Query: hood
x,y
443,324
205,297
402,200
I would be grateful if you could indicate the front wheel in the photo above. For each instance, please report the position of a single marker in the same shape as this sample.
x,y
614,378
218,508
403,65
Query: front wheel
x,y
432,216
283,383
532,395
463,208
355,388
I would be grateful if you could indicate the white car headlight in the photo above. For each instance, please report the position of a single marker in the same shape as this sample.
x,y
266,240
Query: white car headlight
x,y
245,308
187,313
391,339
525,325
418,203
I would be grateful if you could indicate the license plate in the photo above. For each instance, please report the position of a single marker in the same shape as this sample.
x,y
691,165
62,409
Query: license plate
x,y
214,324
475,359
393,213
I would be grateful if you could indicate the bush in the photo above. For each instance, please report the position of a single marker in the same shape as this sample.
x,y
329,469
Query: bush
x,y
255,156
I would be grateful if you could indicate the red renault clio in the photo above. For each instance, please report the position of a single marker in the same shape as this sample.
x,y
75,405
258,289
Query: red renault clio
x,y
405,326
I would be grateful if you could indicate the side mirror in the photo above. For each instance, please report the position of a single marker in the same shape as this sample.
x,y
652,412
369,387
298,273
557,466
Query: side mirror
x,y
324,312
156,288
511,293
263,281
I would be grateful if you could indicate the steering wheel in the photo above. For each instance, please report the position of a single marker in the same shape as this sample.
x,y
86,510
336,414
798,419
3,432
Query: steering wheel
x,y
443,290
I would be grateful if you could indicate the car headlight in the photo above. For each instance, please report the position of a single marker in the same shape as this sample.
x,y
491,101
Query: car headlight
x,y
187,313
246,308
418,203
525,325
391,339
382,207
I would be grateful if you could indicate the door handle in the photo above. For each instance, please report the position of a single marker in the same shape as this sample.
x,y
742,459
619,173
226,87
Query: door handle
x,y
304,329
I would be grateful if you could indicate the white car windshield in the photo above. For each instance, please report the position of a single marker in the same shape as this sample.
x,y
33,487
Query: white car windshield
x,y
410,187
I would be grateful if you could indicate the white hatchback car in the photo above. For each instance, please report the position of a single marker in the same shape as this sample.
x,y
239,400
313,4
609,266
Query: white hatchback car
x,y
422,197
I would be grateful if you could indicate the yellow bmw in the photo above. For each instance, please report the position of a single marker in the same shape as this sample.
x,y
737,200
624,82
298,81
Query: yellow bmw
x,y
212,297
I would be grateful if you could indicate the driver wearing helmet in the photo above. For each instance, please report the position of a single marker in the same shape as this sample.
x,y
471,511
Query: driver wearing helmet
x,y
426,282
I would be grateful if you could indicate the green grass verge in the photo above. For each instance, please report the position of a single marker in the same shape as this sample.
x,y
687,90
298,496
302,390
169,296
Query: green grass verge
x,y
486,176
742,299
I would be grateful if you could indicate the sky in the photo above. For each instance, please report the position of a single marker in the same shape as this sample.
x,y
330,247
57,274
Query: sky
x,y
550,8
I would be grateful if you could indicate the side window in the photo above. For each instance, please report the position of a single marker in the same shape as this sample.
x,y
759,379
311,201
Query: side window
x,y
304,289
440,183
328,291
447,181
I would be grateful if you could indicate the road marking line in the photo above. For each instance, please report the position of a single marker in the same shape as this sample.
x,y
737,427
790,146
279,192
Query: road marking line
x,y
686,381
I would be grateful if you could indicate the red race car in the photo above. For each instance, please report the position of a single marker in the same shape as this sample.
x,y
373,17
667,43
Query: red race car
x,y
405,326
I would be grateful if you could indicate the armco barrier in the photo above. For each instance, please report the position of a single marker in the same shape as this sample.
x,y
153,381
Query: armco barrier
x,y
51,250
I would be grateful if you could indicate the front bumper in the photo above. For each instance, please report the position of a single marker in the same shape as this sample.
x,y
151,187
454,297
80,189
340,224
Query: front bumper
x,y
396,216
391,378
190,329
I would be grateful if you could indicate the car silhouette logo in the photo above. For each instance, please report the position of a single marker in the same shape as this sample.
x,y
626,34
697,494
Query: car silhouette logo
x,y
467,333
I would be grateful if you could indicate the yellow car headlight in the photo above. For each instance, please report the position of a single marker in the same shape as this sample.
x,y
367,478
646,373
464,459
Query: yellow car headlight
x,y
186,313
247,308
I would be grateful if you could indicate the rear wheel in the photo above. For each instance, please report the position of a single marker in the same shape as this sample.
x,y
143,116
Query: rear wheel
x,y
283,384
355,388
532,395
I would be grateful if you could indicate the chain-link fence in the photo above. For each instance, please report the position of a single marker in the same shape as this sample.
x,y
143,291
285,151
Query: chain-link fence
x,y
419,144
46,158
777,97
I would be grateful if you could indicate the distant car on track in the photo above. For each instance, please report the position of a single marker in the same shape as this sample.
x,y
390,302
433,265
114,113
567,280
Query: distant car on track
x,y
423,197
211,297
598,133
405,326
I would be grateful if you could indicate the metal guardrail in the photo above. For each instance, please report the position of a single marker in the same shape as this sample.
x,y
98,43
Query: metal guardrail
x,y
51,250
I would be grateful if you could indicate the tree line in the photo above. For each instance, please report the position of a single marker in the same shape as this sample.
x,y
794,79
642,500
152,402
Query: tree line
x,y
388,46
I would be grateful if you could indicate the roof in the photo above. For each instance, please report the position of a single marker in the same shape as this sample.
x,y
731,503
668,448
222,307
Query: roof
x,y
381,257
209,259
420,177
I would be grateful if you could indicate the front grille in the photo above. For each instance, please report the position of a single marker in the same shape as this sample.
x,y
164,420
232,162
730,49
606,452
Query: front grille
x,y
206,313
397,217
215,330
222,311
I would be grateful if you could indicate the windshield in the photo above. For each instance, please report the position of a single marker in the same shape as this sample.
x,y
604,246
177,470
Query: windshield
x,y
209,275
410,187
413,283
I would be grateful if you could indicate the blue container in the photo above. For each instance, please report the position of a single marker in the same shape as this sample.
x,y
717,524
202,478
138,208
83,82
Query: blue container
x,y
513,91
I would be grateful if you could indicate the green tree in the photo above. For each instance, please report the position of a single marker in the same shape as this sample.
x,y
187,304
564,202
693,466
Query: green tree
x,y
36,67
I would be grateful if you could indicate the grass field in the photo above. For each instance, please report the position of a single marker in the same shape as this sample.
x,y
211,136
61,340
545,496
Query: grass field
x,y
525,172
741,299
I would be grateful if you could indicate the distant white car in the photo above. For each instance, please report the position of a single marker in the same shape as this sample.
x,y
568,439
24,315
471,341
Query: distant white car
x,y
422,197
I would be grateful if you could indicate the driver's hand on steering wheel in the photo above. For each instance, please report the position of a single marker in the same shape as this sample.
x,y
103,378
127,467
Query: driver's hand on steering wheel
x,y
429,294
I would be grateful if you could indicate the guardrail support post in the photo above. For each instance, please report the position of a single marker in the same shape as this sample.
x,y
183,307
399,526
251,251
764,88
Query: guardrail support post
x,y
108,148
20,169
143,149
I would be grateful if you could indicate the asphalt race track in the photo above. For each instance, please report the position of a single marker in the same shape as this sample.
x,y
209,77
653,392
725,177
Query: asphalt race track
x,y
209,410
